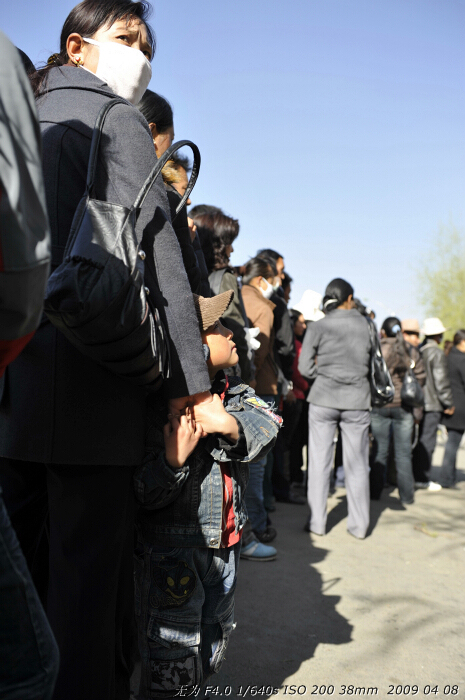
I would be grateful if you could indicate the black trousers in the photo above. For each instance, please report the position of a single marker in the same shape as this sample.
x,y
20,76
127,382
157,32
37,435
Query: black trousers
x,y
76,528
422,455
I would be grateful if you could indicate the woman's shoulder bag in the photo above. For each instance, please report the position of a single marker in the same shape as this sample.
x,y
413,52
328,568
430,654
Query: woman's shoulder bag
x,y
382,388
411,393
96,297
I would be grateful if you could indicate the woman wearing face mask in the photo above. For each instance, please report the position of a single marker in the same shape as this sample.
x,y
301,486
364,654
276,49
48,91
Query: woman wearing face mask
x,y
336,354
71,432
256,290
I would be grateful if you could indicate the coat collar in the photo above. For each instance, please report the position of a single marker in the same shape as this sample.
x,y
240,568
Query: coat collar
x,y
72,78
249,289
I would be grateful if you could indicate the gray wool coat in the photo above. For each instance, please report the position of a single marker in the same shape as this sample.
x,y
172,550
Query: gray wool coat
x,y
57,406
336,355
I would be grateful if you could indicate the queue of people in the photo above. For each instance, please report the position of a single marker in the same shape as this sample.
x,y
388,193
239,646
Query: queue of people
x,y
129,502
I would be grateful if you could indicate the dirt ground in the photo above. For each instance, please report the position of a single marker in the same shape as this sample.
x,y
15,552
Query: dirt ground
x,y
339,616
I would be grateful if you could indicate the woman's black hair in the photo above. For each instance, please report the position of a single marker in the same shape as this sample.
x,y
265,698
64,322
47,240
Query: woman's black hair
x,y
391,326
256,267
157,110
459,336
295,315
181,161
269,253
86,19
287,280
216,232
29,67
271,262
336,293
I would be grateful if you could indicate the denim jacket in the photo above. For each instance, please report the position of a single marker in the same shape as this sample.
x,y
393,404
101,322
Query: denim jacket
x,y
183,507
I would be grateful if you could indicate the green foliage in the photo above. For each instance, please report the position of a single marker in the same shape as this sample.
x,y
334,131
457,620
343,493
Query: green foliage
x,y
442,279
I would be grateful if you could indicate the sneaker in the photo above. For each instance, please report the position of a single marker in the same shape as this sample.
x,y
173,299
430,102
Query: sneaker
x,y
428,485
267,536
257,551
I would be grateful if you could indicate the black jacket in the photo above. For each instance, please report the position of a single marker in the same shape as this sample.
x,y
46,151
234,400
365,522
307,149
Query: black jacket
x,y
456,367
284,343
438,393
57,406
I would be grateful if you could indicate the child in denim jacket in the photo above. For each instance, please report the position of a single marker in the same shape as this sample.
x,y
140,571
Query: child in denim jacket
x,y
191,489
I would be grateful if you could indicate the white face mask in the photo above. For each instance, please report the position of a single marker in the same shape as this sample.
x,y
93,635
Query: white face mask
x,y
125,70
268,291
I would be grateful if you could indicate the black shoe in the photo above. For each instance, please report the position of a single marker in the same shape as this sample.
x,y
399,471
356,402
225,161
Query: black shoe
x,y
292,498
307,525
267,536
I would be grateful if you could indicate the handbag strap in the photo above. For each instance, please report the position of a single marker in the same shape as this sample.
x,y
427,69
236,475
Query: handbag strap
x,y
161,162
157,168
375,344
96,134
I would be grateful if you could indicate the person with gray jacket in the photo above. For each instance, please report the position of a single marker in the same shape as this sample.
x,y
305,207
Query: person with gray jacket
x,y
336,357
438,400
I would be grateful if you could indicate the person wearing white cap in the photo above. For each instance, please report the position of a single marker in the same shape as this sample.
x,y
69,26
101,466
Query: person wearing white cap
x,y
438,400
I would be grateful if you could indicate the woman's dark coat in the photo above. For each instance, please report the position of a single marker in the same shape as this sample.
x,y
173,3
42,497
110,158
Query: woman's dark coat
x,y
57,406
456,365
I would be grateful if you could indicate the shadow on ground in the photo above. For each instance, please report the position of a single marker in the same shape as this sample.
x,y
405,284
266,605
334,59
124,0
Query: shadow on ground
x,y
283,611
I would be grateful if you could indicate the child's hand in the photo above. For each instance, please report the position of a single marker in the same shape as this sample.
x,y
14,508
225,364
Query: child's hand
x,y
181,436
214,419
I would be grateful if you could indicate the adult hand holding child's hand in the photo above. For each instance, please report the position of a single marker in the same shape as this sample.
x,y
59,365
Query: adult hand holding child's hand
x,y
214,419
178,406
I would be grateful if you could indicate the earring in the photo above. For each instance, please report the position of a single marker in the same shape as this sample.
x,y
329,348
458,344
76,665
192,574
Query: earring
x,y
78,62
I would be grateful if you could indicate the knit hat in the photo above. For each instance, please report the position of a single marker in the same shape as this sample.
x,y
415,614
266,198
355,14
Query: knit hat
x,y
410,325
210,309
433,326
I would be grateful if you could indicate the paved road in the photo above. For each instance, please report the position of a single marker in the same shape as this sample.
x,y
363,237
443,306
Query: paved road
x,y
343,616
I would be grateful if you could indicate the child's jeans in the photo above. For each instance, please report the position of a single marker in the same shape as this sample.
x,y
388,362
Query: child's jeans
x,y
185,611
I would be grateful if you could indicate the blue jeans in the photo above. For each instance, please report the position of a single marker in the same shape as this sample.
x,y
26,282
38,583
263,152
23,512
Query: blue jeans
x,y
448,471
401,421
184,603
253,496
255,492
28,651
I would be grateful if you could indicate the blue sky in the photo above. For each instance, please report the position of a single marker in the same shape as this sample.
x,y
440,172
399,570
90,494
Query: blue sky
x,y
333,130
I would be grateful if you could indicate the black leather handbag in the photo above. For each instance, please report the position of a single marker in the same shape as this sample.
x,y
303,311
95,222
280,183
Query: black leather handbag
x,y
96,296
382,388
411,393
